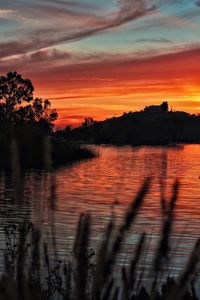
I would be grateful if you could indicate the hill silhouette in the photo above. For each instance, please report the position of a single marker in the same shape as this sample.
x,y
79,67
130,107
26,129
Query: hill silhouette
x,y
155,125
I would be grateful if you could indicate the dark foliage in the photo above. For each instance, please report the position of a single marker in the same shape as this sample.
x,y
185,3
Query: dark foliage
x,y
17,105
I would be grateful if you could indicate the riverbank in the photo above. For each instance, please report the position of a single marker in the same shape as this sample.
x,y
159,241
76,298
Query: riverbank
x,y
67,153
41,152
169,145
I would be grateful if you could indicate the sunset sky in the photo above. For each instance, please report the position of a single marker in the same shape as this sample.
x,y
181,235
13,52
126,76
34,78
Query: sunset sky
x,y
100,58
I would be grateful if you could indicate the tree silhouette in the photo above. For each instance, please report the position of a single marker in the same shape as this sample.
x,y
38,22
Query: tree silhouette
x,y
14,90
88,122
165,106
17,104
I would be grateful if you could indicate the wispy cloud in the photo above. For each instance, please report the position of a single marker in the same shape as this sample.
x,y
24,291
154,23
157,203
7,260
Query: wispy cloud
x,y
6,13
126,50
48,23
159,40
167,74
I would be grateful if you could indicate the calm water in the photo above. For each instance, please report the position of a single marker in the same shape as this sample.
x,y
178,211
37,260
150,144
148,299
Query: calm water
x,y
115,177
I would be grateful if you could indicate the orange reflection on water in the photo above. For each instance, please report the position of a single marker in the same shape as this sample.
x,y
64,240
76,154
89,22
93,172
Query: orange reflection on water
x,y
115,177
119,172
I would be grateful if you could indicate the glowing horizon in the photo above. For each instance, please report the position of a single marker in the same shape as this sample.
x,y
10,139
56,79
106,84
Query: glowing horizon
x,y
101,60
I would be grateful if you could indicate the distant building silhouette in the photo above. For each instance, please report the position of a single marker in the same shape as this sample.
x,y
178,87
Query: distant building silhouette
x,y
157,108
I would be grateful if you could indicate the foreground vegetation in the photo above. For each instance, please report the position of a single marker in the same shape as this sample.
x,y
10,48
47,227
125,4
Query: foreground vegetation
x,y
34,272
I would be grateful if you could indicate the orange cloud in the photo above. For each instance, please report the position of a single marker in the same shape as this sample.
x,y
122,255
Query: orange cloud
x,y
111,86
116,86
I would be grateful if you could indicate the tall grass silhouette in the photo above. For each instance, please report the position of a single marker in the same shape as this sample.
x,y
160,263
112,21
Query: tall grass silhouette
x,y
32,272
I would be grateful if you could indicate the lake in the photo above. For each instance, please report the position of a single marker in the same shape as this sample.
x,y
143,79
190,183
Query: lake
x,y
110,182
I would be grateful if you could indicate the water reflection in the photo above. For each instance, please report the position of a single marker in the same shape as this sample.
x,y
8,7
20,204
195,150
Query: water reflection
x,y
115,177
